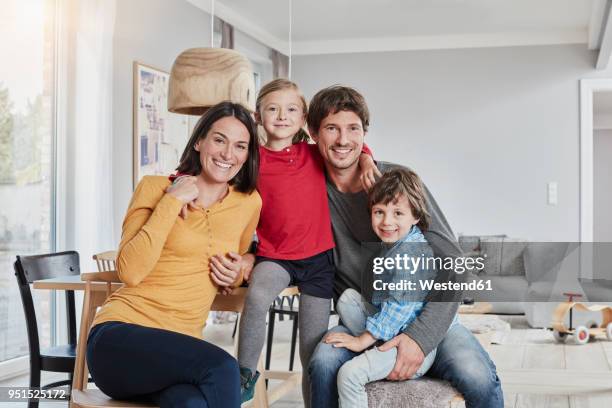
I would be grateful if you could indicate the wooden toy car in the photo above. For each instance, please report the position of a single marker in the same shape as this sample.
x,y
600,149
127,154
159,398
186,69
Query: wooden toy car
x,y
581,334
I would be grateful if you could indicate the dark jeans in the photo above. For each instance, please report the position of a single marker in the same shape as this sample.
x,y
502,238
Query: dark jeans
x,y
128,361
460,360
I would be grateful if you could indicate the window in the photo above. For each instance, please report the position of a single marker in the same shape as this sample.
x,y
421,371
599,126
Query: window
x,y
27,92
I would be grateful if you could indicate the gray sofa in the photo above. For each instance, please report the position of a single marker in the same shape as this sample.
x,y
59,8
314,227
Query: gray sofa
x,y
504,267
531,277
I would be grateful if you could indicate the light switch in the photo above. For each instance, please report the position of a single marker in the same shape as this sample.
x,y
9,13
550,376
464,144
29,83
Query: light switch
x,y
553,196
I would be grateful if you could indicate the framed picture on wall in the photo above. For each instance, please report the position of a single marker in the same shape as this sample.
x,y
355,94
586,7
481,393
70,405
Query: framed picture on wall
x,y
159,135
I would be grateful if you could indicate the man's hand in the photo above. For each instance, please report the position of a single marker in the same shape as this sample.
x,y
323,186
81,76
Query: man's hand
x,y
409,357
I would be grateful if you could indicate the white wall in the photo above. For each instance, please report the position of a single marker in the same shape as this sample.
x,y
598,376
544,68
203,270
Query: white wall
x,y
485,128
152,32
602,183
155,32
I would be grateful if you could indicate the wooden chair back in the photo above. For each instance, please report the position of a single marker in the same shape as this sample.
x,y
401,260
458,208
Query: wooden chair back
x,y
106,261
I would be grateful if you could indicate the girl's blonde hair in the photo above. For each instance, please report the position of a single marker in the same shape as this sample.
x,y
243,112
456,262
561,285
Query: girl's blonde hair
x,y
279,85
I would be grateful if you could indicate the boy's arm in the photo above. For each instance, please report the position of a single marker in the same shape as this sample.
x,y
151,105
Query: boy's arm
x,y
392,316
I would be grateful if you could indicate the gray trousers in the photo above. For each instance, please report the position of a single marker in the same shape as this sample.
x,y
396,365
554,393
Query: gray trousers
x,y
268,280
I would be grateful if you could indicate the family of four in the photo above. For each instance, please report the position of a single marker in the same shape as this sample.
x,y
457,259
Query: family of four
x,y
321,213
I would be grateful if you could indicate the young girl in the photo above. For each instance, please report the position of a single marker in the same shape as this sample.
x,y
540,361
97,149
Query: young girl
x,y
294,231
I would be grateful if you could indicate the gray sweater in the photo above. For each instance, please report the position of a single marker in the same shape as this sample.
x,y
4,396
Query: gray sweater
x,y
357,245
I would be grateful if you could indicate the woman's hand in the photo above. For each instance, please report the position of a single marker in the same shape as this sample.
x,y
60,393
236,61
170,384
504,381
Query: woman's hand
x,y
248,261
225,270
368,171
184,188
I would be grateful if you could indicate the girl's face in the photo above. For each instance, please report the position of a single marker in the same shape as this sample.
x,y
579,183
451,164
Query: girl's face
x,y
392,221
224,150
281,114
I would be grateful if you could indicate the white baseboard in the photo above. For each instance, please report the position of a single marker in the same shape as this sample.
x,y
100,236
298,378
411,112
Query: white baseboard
x,y
14,368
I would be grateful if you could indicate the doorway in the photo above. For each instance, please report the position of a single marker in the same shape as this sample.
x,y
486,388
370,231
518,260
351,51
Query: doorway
x,y
596,177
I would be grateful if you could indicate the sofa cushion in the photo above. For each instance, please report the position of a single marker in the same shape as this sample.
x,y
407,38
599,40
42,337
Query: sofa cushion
x,y
504,256
512,262
470,244
491,249
543,260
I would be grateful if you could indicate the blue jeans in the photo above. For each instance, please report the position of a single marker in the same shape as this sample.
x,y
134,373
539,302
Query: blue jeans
x,y
172,370
460,360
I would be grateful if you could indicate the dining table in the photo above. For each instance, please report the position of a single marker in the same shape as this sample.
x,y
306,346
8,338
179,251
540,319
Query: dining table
x,y
100,290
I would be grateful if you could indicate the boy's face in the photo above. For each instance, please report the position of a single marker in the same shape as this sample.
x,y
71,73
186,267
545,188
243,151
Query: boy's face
x,y
340,139
393,220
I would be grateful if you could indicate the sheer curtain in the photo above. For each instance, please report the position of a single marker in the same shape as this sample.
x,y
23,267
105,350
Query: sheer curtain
x,y
91,228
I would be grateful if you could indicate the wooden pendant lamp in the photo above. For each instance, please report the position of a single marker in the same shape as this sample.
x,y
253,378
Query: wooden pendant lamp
x,y
203,77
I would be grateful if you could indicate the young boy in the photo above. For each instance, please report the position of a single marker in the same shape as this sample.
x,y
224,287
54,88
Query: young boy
x,y
398,213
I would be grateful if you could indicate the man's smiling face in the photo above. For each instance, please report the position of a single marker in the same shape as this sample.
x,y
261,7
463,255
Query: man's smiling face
x,y
340,139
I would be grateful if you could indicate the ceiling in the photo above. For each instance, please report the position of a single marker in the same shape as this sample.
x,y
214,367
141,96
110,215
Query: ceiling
x,y
333,26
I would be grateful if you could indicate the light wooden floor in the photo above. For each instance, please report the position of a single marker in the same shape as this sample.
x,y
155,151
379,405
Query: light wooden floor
x,y
524,348
534,349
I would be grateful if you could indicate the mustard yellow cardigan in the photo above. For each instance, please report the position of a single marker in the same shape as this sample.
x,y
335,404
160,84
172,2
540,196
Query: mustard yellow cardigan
x,y
163,260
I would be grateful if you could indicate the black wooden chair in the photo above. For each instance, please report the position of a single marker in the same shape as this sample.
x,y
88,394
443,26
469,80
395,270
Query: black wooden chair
x,y
58,358
291,310
285,305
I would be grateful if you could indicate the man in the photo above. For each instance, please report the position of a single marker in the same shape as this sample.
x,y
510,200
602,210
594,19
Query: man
x,y
338,120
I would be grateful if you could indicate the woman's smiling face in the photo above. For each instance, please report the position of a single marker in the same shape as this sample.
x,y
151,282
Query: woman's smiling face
x,y
224,150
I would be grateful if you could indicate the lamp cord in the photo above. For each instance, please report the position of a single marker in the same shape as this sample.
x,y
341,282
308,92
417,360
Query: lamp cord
x,y
212,23
290,32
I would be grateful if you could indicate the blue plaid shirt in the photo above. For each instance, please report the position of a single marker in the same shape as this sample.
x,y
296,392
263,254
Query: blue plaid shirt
x,y
398,308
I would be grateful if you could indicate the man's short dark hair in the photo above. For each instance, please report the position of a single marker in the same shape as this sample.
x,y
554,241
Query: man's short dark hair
x,y
334,99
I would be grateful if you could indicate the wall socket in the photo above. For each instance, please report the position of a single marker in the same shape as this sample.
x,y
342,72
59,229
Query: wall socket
x,y
553,193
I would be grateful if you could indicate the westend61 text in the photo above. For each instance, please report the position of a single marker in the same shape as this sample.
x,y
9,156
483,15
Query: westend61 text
x,y
427,285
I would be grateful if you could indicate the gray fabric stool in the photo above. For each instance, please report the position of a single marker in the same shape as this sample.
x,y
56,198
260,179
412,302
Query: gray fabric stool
x,y
422,393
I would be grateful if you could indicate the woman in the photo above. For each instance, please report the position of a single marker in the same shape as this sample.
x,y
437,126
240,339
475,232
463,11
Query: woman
x,y
146,338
